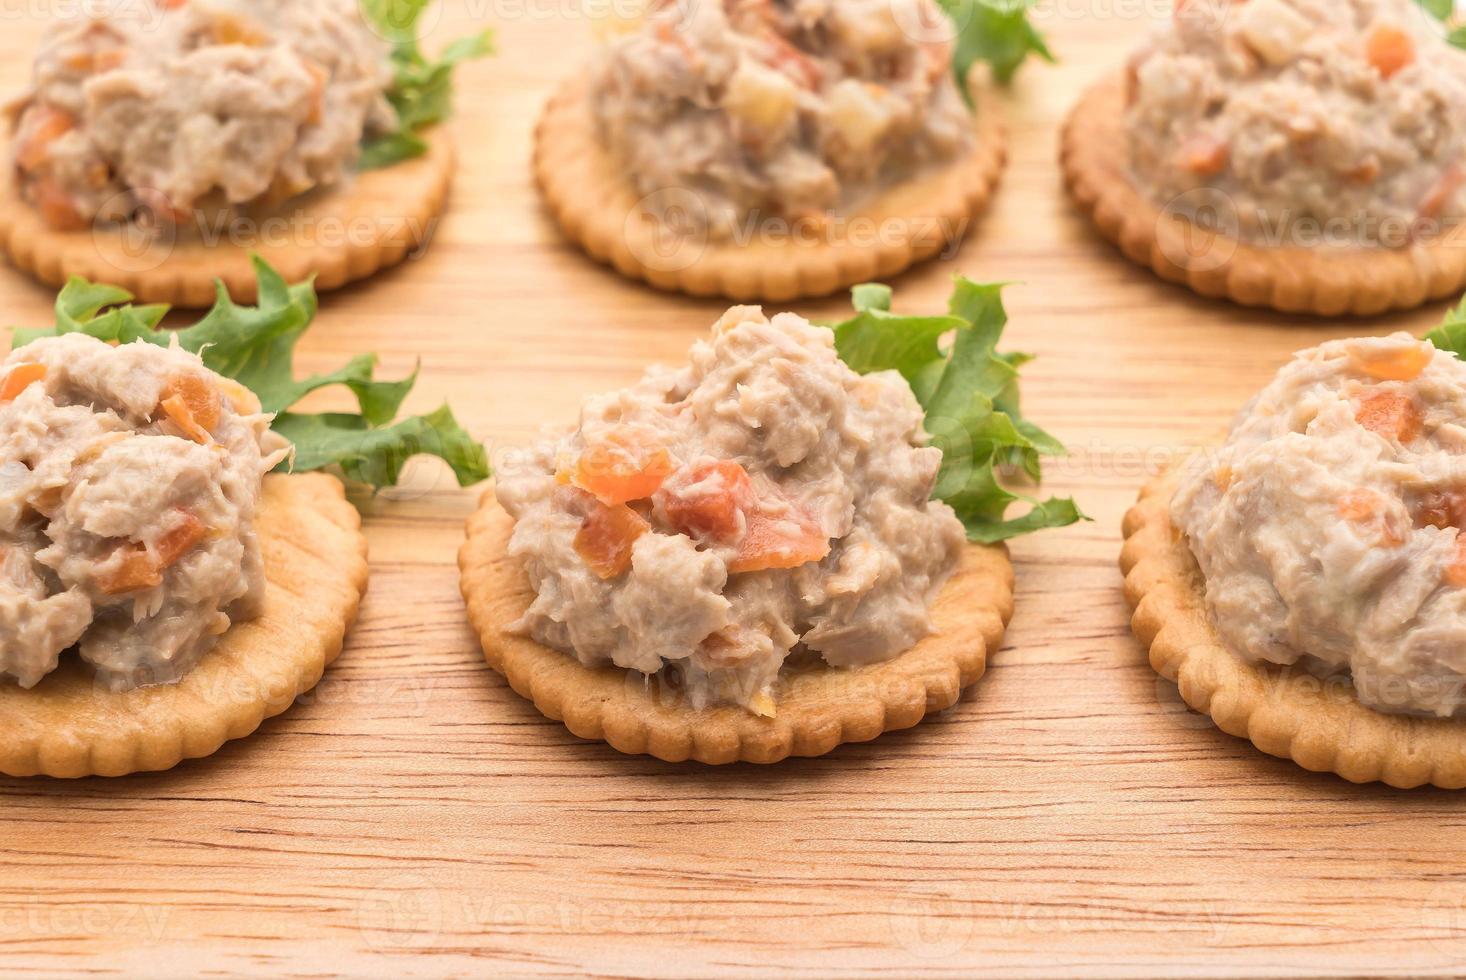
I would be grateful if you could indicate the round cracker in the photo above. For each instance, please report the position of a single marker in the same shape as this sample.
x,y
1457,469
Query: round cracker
x,y
339,235
68,726
1286,712
818,707
1325,281
600,211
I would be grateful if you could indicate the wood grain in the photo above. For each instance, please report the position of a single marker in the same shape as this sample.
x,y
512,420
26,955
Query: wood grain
x,y
415,817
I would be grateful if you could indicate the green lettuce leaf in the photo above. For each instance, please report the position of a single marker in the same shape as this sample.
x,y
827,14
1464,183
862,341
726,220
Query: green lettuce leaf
x,y
1451,334
969,392
255,345
422,87
995,31
1440,9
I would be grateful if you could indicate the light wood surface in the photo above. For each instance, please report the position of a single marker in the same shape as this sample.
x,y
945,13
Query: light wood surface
x,y
415,817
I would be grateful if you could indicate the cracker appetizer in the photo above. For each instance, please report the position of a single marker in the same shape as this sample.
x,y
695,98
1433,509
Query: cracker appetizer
x,y
166,581
766,553
162,142
1305,584
1304,155
775,149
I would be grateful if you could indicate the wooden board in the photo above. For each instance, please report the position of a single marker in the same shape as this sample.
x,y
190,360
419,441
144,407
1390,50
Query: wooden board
x,y
414,817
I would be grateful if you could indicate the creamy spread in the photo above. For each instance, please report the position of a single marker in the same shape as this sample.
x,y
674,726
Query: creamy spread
x,y
173,105
1340,120
1329,526
781,108
129,478
706,523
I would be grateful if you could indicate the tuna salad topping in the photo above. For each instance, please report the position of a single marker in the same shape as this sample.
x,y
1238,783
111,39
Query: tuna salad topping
x,y
129,477
167,106
1329,526
781,108
763,501
1299,115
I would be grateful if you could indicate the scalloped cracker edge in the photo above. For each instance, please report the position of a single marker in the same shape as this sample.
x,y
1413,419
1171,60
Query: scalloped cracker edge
x,y
598,209
68,726
339,235
818,708
1328,282
1291,714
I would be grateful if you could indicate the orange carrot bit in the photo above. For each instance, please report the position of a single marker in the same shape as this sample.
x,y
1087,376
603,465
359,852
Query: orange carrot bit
x,y
620,467
1359,505
1204,155
21,377
192,404
1367,507
1393,364
1389,50
1442,509
1442,192
786,542
1390,414
800,67
709,500
182,539
137,571
606,537
1455,573
319,78
200,396
44,125
58,208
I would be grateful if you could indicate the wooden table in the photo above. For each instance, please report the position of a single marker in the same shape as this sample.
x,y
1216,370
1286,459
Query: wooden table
x,y
414,817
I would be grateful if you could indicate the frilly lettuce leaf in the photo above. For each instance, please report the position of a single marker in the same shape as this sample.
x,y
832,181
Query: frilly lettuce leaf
x,y
422,89
1451,334
969,392
1445,12
255,345
995,31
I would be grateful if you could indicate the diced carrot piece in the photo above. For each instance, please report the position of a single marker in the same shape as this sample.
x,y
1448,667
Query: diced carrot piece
x,y
138,570
182,539
1441,509
1359,505
141,569
1389,49
1393,364
1442,192
1204,155
1367,507
200,397
709,500
1366,172
42,126
177,411
1390,414
231,29
21,377
606,537
621,467
793,62
786,542
319,77
1455,573
57,208
171,4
